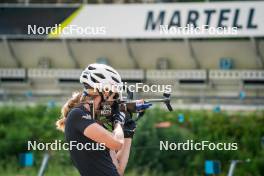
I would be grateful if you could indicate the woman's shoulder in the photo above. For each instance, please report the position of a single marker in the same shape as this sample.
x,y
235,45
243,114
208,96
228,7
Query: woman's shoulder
x,y
75,111
78,111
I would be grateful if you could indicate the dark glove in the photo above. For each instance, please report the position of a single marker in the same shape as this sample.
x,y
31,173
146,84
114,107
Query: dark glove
x,y
129,128
119,118
115,108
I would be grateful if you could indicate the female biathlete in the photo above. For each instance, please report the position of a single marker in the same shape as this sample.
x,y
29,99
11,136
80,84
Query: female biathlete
x,y
79,124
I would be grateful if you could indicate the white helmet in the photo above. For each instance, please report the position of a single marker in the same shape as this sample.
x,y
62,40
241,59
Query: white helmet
x,y
101,76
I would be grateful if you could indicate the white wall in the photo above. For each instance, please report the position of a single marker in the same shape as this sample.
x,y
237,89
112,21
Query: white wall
x,y
208,53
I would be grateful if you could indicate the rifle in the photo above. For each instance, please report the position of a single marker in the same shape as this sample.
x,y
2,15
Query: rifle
x,y
130,106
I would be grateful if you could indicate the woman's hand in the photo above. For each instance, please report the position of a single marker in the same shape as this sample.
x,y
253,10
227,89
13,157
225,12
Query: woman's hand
x,y
141,105
119,118
129,128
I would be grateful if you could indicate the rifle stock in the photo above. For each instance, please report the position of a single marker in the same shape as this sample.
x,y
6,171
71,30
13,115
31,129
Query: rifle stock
x,y
130,105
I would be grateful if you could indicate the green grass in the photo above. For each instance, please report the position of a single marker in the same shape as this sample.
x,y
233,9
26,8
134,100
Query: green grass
x,y
59,170
59,165
55,167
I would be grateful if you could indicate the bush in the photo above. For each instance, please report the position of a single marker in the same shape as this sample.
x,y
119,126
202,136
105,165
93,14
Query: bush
x,y
21,124
246,129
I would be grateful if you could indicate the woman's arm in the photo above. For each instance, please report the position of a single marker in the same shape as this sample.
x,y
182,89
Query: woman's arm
x,y
120,158
123,156
113,141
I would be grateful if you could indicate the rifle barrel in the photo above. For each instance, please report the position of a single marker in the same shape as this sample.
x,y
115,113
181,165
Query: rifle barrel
x,y
157,100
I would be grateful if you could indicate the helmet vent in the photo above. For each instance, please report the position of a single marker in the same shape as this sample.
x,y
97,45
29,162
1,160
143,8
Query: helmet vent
x,y
91,68
94,80
86,86
116,80
110,71
100,75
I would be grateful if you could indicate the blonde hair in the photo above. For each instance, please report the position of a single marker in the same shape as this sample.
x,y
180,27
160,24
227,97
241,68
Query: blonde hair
x,y
76,99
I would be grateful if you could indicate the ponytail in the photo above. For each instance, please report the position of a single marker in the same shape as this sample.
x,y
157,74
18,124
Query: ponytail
x,y
75,100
